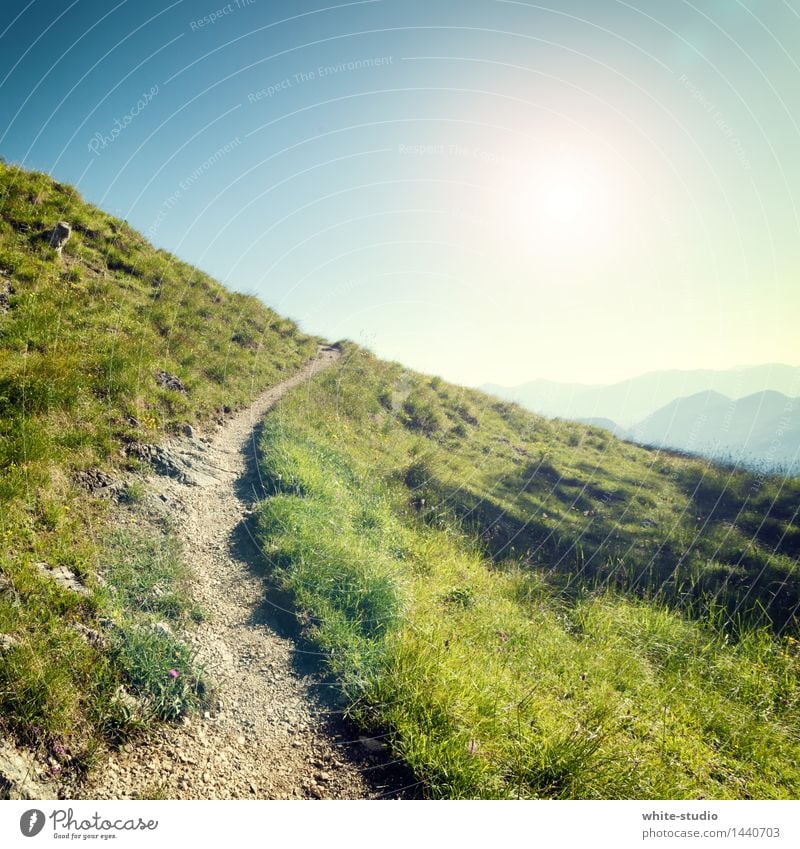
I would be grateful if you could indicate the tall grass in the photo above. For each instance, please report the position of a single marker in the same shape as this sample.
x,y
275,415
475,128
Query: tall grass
x,y
493,679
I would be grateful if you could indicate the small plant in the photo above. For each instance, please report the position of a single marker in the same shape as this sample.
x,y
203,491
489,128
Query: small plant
x,y
418,474
159,669
423,414
133,493
460,597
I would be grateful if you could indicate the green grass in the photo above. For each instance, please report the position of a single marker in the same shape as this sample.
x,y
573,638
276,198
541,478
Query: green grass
x,y
511,645
160,670
80,347
529,608
146,573
147,596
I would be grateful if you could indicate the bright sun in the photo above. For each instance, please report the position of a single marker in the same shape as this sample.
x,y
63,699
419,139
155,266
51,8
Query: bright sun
x,y
559,208
566,200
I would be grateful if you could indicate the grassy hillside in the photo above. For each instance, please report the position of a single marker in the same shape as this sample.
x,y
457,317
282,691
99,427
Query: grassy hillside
x,y
89,344
532,608
526,607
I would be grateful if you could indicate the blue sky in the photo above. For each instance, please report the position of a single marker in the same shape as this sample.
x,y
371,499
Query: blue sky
x,y
490,191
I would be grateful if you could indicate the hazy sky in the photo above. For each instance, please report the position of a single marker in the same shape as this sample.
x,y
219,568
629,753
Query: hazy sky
x,y
491,191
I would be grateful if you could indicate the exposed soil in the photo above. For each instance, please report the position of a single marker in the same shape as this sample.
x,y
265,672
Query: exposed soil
x,y
274,730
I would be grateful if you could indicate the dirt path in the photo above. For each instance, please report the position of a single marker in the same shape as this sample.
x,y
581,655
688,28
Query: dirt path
x,y
271,735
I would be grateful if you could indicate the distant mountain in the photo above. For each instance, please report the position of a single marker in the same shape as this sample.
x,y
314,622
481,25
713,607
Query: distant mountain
x,y
631,401
760,430
685,422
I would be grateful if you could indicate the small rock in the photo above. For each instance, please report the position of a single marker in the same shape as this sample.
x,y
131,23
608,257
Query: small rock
x,y
63,577
371,744
6,290
241,741
323,776
161,628
94,638
169,381
7,642
96,481
129,702
188,430
60,236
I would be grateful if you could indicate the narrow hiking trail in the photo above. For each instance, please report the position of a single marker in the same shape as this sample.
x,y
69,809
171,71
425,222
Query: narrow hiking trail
x,y
269,733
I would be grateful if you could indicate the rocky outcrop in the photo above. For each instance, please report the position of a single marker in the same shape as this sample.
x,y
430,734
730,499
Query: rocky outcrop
x,y
163,460
6,291
63,577
97,482
19,776
168,381
60,236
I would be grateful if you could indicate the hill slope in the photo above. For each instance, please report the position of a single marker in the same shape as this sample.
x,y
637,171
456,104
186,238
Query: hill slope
x,y
532,608
103,351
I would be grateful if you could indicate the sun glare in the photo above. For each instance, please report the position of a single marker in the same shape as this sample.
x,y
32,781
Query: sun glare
x,y
559,207
565,201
